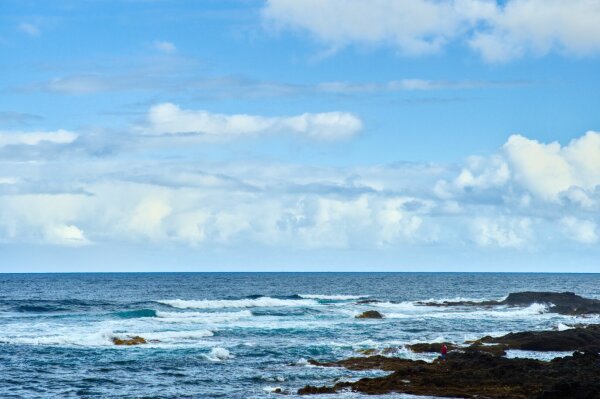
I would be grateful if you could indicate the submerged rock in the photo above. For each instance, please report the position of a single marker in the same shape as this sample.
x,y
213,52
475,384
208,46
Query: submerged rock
x,y
367,301
370,314
473,374
567,303
137,340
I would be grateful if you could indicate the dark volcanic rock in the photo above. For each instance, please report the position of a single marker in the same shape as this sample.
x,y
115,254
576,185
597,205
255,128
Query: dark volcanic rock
x,y
426,348
370,314
560,302
472,374
575,339
129,341
567,303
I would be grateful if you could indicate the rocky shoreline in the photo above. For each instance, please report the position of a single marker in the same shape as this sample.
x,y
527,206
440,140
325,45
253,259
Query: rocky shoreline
x,y
480,368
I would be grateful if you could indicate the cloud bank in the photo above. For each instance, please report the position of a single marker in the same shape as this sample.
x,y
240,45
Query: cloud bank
x,y
498,31
527,197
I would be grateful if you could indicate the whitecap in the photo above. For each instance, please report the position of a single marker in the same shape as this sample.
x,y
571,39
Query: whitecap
x,y
60,338
175,335
202,317
218,354
237,303
563,327
333,297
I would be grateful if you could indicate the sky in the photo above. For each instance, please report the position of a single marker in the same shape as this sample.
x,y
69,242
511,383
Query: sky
x,y
300,135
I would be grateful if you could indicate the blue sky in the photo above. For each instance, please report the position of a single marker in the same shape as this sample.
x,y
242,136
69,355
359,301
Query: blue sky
x,y
163,135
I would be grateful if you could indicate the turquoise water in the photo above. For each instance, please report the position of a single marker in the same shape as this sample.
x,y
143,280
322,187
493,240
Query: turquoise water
x,y
238,335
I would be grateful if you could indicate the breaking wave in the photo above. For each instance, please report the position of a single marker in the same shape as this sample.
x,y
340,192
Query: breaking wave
x,y
218,355
333,297
203,317
237,303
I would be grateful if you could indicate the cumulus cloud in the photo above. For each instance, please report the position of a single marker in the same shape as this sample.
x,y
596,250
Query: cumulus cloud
x,y
501,232
516,199
499,31
34,138
540,27
546,170
66,235
169,119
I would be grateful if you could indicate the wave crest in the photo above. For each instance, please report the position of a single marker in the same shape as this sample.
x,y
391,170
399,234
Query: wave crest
x,y
237,303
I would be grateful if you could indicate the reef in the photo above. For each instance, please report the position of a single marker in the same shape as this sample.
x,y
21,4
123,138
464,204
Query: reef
x,y
370,314
480,370
475,375
566,303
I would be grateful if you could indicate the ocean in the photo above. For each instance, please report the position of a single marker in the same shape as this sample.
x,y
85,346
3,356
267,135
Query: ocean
x,y
241,335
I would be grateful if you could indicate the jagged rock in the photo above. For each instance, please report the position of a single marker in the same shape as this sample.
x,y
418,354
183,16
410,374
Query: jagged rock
x,y
473,374
429,348
390,350
567,303
310,390
368,352
129,341
493,350
373,351
575,339
370,314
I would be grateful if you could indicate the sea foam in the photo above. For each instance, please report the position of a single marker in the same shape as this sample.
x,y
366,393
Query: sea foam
x,y
333,297
237,303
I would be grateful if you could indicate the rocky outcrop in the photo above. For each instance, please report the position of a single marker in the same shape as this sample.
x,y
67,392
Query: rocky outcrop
x,y
429,348
370,314
385,351
575,339
481,370
129,341
474,374
567,303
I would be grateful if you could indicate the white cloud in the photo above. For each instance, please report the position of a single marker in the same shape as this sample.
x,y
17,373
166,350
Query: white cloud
x,y
67,235
540,27
414,27
506,200
499,32
501,232
549,169
583,231
34,138
8,180
164,46
169,119
29,29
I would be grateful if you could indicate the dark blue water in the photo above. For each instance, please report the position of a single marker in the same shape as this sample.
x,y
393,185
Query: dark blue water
x,y
237,335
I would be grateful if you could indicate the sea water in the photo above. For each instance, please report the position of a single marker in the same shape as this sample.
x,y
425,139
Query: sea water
x,y
242,335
